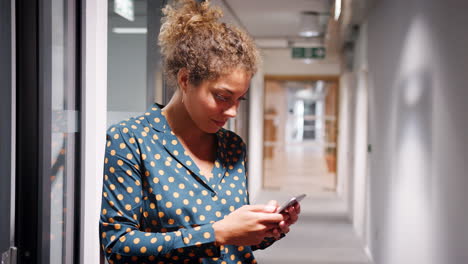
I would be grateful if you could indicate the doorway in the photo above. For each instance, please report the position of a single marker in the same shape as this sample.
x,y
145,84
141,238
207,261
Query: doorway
x,y
300,132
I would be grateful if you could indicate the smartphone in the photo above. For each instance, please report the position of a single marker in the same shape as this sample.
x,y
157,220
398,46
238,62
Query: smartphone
x,y
291,202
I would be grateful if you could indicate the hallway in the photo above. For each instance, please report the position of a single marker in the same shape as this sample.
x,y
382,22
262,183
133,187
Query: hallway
x,y
385,172
306,169
323,235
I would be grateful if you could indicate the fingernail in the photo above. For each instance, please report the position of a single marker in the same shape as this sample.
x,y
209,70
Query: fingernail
x,y
270,208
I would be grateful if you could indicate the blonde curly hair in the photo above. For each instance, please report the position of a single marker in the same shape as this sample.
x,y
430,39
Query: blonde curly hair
x,y
192,37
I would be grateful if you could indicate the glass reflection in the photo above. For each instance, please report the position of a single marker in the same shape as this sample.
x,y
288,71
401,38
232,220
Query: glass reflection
x,y
64,131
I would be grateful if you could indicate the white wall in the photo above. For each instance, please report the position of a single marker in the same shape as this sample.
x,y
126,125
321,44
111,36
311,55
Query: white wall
x,y
418,66
279,62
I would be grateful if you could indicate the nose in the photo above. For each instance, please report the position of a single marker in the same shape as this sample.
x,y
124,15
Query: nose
x,y
231,111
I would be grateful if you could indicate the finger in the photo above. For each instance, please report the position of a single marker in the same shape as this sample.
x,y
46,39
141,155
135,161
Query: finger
x,y
288,213
261,208
270,217
285,229
273,203
292,207
271,206
274,232
270,233
277,233
293,214
269,227
292,217
283,224
297,207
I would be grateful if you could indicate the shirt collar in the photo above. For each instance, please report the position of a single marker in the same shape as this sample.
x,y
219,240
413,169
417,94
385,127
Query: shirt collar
x,y
157,120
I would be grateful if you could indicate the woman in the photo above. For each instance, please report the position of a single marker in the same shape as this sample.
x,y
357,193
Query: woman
x,y
175,180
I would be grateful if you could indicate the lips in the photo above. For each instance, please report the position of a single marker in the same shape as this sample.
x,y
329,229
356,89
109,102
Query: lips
x,y
219,123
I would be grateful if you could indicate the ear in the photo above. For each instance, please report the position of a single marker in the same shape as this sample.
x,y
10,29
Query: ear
x,y
183,79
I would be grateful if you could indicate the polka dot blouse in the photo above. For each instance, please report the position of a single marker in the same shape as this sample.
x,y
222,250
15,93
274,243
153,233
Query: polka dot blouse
x,y
157,206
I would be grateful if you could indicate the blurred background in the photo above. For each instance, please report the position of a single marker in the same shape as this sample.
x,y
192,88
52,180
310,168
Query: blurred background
x,y
358,103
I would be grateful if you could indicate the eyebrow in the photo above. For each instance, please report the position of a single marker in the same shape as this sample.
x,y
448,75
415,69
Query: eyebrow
x,y
225,89
229,91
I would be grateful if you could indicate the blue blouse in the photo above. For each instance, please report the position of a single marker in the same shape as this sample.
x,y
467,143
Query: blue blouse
x,y
157,206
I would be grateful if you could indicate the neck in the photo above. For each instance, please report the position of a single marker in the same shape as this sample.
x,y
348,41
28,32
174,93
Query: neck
x,y
181,123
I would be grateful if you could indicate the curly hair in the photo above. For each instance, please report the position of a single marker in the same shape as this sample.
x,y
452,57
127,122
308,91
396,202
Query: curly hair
x,y
191,37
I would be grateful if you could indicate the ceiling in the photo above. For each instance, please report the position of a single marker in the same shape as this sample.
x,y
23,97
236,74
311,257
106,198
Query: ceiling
x,y
274,22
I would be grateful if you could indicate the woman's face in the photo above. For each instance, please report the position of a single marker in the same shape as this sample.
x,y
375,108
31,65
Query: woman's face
x,y
213,102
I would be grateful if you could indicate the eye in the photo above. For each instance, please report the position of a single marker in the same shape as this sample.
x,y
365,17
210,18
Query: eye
x,y
221,97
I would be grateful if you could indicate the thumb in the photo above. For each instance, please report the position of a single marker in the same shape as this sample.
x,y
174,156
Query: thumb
x,y
271,206
262,208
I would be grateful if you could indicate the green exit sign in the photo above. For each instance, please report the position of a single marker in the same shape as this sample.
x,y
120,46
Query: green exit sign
x,y
308,53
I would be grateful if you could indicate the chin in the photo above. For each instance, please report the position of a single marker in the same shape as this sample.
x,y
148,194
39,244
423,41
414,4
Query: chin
x,y
212,130
209,128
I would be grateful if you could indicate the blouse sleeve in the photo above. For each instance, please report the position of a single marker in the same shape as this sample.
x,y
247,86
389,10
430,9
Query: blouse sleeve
x,y
267,241
122,210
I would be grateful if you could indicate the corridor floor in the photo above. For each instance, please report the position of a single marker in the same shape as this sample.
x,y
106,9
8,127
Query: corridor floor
x,y
323,235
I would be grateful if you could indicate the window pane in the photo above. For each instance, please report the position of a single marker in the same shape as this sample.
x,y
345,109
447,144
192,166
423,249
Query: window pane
x,y
134,68
64,131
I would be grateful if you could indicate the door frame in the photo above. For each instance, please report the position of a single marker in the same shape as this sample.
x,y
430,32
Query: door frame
x,y
7,120
35,124
332,78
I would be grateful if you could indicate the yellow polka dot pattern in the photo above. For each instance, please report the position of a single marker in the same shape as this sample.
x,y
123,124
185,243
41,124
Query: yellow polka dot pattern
x,y
157,207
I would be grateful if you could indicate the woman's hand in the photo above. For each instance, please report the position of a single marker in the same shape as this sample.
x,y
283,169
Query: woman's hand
x,y
291,215
248,225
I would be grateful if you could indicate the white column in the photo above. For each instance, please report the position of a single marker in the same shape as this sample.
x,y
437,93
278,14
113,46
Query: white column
x,y
255,147
93,124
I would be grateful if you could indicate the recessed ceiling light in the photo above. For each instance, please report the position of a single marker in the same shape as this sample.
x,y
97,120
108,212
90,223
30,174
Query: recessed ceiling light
x,y
309,25
309,34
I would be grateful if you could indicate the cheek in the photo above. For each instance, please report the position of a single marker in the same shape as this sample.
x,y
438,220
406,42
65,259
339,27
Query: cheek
x,y
206,106
211,106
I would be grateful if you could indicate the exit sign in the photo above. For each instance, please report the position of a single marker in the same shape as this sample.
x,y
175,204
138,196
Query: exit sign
x,y
308,53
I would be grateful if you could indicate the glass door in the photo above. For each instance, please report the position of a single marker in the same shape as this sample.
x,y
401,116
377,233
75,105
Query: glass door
x,y
47,131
